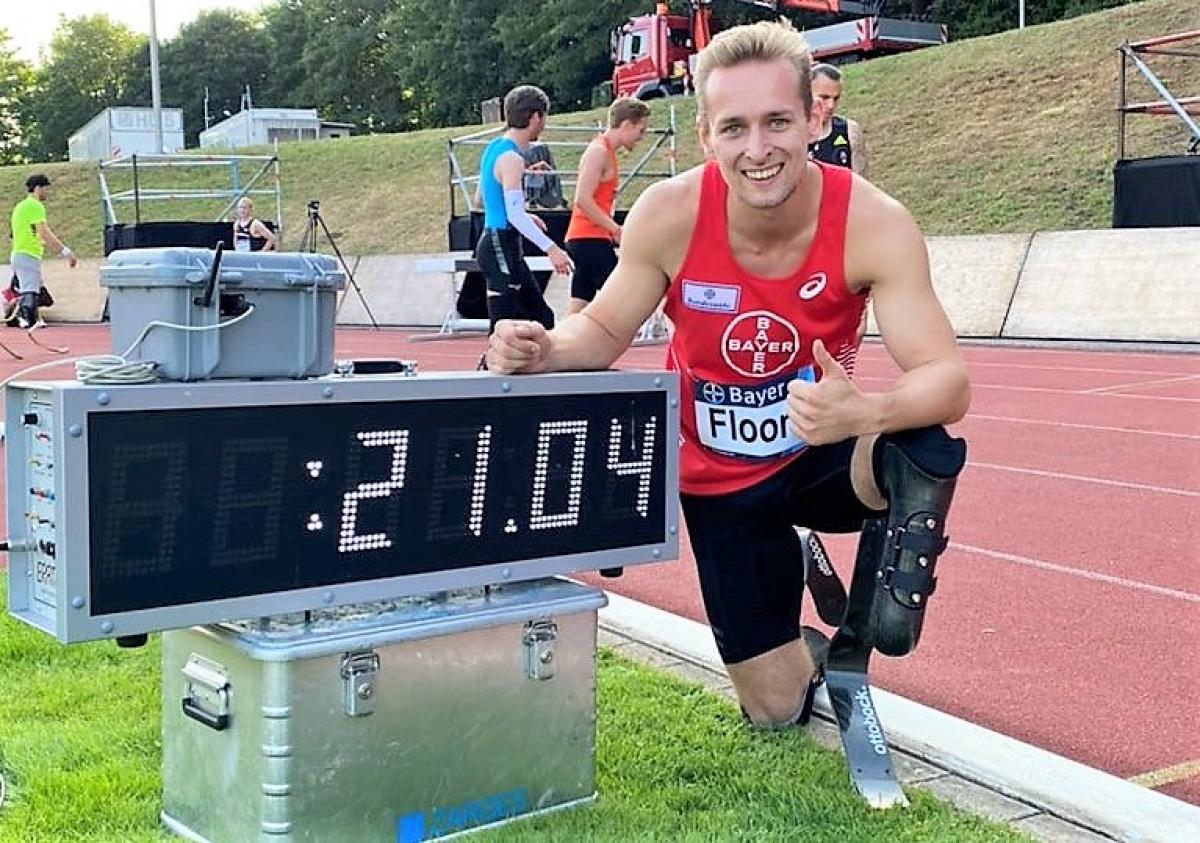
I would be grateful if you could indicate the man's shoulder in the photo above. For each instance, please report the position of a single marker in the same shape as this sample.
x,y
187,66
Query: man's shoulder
x,y
674,198
30,206
662,220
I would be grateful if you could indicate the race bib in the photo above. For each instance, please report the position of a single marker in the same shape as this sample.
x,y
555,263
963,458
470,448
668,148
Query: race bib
x,y
748,421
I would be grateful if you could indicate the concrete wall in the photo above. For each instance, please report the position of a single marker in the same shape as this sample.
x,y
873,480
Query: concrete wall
x,y
1124,284
1127,284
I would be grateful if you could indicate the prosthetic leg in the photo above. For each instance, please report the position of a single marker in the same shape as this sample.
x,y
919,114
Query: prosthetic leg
x,y
863,741
893,580
917,471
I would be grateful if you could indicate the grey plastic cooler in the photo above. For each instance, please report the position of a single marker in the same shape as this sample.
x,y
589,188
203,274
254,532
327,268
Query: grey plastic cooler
x,y
289,334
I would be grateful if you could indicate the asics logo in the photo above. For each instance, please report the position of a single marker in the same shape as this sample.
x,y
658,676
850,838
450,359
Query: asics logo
x,y
813,286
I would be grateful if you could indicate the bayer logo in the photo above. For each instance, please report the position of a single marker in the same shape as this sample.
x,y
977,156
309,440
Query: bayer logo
x,y
713,393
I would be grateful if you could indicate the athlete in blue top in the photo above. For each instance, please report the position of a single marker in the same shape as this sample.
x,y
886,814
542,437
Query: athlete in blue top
x,y
511,288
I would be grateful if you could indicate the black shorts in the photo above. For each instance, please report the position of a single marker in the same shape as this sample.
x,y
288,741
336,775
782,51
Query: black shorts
x,y
748,554
594,260
513,292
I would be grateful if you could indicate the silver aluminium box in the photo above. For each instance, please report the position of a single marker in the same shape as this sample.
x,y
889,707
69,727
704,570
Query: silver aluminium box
x,y
399,721
289,334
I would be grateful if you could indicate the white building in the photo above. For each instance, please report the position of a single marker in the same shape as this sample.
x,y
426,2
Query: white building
x,y
263,126
125,130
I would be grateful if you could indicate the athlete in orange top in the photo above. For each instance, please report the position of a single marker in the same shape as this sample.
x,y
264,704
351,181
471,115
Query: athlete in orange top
x,y
593,234
766,304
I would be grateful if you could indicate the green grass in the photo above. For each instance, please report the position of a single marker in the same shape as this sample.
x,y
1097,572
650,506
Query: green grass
x,y
1012,132
80,752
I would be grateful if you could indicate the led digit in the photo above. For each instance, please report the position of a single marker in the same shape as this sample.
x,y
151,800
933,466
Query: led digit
x,y
483,449
349,540
642,467
249,509
455,446
143,508
547,431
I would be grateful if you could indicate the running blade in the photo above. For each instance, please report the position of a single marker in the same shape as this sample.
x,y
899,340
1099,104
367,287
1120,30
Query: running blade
x,y
867,754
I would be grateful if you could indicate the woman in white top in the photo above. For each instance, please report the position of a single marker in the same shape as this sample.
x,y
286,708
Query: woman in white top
x,y
250,234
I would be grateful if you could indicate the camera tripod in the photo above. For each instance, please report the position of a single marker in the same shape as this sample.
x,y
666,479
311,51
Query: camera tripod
x,y
308,243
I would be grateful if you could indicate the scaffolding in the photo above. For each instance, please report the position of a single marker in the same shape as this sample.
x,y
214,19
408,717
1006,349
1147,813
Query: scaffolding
x,y
264,181
1185,108
461,194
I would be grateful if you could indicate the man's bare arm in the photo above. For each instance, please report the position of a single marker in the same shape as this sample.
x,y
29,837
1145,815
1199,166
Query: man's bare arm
x,y
591,170
933,388
858,148
49,237
260,230
597,336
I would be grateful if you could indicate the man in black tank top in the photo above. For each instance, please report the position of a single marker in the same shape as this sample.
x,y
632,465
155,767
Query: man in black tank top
x,y
839,139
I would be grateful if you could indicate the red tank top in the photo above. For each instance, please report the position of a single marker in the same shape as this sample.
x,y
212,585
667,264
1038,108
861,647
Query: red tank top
x,y
581,226
740,338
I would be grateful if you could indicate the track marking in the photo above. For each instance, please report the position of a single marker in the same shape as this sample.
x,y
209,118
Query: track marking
x,y
1167,775
1051,390
1100,390
1102,481
1054,391
1092,369
1053,567
1133,430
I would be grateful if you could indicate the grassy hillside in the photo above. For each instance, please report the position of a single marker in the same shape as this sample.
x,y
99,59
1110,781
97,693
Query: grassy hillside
x,y
1013,132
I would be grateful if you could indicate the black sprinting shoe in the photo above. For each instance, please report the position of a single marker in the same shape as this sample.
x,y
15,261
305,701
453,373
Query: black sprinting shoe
x,y
818,648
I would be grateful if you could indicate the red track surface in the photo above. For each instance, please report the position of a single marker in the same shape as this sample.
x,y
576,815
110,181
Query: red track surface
x,y
1068,607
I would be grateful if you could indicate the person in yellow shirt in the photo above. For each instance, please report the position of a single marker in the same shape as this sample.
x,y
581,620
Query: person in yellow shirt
x,y
31,234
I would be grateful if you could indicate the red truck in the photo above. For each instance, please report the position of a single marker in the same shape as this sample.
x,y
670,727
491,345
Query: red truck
x,y
653,54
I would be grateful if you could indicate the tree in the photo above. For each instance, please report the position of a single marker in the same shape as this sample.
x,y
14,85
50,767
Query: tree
x,y
16,87
287,26
449,54
222,50
970,18
88,71
570,52
347,63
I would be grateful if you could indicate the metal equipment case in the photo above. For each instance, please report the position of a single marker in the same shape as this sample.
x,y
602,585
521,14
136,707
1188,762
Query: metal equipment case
x,y
397,721
289,334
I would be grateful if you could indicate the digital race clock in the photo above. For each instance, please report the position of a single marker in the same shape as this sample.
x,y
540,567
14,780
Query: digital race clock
x,y
140,508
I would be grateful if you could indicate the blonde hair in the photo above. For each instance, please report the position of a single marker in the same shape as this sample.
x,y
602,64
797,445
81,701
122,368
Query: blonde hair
x,y
627,108
765,41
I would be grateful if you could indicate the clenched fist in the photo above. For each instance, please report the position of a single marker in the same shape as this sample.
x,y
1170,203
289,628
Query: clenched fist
x,y
518,347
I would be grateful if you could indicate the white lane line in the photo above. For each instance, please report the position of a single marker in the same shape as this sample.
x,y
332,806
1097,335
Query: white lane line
x,y
1102,481
1100,390
1040,564
1109,428
1053,391
1069,368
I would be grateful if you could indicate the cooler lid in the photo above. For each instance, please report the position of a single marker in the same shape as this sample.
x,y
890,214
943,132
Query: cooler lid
x,y
190,267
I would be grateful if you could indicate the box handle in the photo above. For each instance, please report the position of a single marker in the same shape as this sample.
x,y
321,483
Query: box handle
x,y
214,721
206,682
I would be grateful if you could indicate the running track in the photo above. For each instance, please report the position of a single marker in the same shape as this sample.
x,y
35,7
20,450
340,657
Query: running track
x,y
1068,606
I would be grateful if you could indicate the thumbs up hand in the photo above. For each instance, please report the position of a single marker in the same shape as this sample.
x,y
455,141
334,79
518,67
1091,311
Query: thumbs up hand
x,y
830,410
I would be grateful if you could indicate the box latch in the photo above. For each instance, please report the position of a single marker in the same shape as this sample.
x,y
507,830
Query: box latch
x,y
539,639
206,692
360,672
